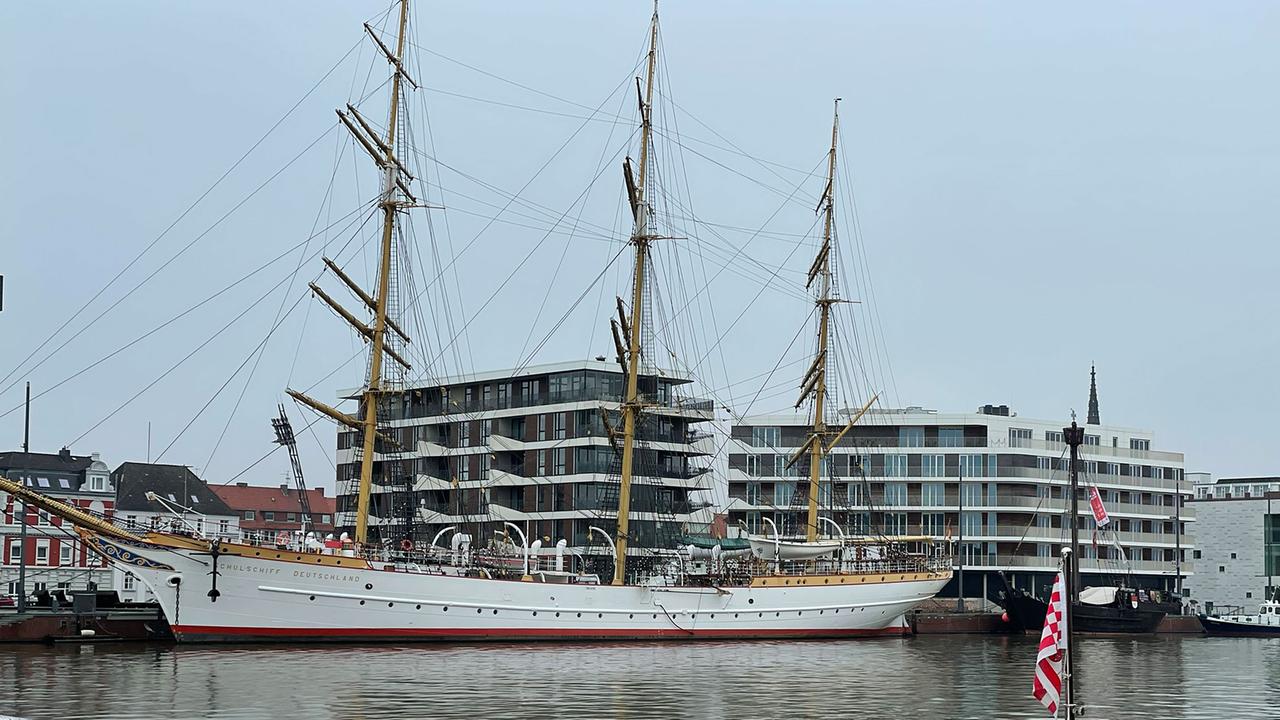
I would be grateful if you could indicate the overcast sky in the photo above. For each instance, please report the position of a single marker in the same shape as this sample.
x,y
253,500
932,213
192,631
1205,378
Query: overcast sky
x,y
1037,188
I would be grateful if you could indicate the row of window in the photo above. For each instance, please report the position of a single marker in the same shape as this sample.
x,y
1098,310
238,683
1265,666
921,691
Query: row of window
x,y
970,465
273,516
66,553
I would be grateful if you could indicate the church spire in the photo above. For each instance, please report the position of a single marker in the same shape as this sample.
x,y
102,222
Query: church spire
x,y
1093,397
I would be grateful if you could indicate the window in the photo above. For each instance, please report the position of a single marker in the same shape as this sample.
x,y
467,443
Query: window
x,y
950,437
971,466
859,465
1248,594
542,462
895,494
97,483
1043,463
855,494
1092,440
485,460
753,465
1139,444
911,437
1195,554
268,515
971,524
326,518
1053,436
65,552
933,494
64,483
248,514
464,468
504,395
224,527
766,436
292,517
542,427
753,493
895,465
783,492
92,559
1222,568
42,482
128,581
42,552
486,396
971,494
933,465
559,425
42,517
895,523
933,524
15,552
557,461
1233,556
1019,437
464,434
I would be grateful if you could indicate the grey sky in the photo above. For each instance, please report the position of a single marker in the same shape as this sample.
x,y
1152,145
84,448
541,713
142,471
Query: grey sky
x,y
1038,188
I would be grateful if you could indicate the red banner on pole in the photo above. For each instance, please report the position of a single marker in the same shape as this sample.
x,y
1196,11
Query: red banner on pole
x,y
1099,511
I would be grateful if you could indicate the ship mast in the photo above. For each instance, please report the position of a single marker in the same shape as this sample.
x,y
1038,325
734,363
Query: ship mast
x,y
637,189
815,382
396,196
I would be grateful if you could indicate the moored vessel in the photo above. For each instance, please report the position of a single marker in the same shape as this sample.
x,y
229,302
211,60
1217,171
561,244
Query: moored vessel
x,y
379,587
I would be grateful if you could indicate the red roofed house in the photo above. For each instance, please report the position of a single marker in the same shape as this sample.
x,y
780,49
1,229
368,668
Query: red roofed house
x,y
267,511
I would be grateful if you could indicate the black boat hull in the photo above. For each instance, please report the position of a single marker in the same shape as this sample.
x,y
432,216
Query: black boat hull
x,y
1026,612
1223,628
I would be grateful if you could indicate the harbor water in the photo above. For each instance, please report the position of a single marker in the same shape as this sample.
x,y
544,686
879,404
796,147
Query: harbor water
x,y
955,676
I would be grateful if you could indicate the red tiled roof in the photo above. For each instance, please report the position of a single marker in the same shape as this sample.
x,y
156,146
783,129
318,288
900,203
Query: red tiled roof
x,y
251,497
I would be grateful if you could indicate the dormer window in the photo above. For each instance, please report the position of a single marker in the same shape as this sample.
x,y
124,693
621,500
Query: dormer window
x,y
97,483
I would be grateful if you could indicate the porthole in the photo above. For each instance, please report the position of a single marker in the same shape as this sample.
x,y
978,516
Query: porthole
x,y
495,611
313,597
446,608
417,607
391,604
258,554
751,601
317,561
799,612
368,586
713,616
579,614
599,615
361,602
630,615
761,614
735,615
655,616
557,614
777,614
479,610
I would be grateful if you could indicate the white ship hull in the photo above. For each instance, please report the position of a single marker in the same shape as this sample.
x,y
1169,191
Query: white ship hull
x,y
297,599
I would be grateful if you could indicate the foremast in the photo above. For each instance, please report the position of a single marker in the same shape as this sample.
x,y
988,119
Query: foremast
x,y
632,330
395,197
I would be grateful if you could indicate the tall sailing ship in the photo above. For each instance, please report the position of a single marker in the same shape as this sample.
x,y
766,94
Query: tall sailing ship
x,y
460,587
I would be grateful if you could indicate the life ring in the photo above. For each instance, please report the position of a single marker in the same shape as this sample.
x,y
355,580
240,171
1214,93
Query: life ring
x,y
406,545
282,539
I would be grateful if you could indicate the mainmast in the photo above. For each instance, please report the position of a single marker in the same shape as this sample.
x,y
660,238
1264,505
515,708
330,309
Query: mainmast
x,y
395,197
637,189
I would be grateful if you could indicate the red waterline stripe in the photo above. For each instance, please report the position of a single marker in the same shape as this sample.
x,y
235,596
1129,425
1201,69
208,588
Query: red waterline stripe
x,y
215,630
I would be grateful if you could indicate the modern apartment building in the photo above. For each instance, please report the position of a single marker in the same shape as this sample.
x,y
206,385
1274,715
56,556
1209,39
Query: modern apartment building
x,y
1237,541
534,447
990,481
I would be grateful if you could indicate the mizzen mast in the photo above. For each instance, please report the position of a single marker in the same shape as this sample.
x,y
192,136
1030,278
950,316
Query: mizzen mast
x,y
815,381
395,197
627,333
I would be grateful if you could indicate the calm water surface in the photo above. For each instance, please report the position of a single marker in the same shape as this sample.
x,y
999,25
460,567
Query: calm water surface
x,y
924,677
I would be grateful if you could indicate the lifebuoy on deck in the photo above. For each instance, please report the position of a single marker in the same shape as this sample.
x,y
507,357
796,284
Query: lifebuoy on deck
x,y
406,545
282,539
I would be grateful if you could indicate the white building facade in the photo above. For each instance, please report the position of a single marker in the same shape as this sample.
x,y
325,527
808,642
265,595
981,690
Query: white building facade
x,y
990,481
1238,541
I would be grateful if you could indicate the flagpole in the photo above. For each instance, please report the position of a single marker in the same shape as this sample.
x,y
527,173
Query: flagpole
x,y
1068,666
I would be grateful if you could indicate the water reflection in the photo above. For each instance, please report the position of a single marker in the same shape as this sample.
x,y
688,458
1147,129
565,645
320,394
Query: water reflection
x,y
934,677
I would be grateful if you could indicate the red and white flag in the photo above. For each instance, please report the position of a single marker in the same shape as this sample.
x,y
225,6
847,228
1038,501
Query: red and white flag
x,y
1099,510
1053,644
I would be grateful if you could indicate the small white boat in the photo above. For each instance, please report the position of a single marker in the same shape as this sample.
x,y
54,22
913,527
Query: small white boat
x,y
769,548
